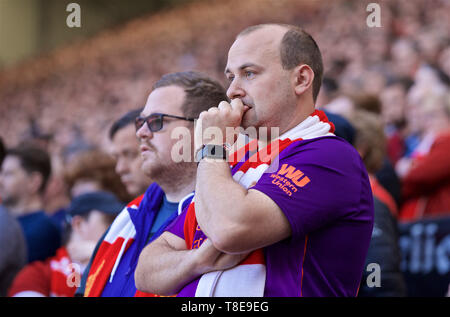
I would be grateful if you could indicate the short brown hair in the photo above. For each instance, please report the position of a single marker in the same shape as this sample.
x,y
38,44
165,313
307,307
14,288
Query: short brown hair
x,y
202,92
297,47
370,139
367,102
98,166
33,159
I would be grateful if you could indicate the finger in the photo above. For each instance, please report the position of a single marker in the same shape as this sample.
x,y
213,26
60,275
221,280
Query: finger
x,y
223,105
198,131
213,110
237,106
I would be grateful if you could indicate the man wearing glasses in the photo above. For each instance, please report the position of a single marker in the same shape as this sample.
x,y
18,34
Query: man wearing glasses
x,y
175,101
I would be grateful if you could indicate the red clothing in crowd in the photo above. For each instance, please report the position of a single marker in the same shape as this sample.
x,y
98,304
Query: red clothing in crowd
x,y
426,187
383,195
54,277
395,147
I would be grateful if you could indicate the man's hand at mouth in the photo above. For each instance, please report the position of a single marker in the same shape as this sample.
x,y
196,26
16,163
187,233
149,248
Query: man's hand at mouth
x,y
218,124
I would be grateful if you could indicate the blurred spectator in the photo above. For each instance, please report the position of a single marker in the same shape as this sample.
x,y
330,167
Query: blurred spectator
x,y
388,178
343,128
12,243
444,60
426,185
342,105
393,101
125,149
421,104
2,153
384,249
91,171
14,250
405,57
72,142
328,91
368,102
23,178
90,215
386,174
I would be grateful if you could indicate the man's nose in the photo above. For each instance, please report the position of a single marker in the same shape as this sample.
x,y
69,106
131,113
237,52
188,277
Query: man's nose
x,y
144,132
235,90
121,166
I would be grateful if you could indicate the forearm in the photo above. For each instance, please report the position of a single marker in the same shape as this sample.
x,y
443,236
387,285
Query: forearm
x,y
235,219
164,270
218,199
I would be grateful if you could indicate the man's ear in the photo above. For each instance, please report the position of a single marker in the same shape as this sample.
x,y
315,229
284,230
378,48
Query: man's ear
x,y
303,79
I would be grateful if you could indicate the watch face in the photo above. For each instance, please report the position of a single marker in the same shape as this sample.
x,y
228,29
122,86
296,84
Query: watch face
x,y
212,151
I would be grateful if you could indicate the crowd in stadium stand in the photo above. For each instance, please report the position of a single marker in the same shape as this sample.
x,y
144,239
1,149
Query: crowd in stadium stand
x,y
67,100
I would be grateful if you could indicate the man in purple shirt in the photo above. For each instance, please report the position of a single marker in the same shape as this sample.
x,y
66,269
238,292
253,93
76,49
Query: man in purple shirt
x,y
299,225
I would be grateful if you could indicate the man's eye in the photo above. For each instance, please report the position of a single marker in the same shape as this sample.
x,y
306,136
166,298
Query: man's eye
x,y
230,78
249,74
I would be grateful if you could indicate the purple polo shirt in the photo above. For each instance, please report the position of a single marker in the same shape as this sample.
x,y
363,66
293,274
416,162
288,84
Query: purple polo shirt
x,y
322,187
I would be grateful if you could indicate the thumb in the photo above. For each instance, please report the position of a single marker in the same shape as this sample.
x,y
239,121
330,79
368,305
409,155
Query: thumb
x,y
237,106
198,134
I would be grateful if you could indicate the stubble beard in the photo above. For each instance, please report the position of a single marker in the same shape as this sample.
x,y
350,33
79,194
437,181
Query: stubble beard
x,y
169,174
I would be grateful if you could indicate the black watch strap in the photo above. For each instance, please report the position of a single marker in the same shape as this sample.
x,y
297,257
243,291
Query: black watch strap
x,y
212,151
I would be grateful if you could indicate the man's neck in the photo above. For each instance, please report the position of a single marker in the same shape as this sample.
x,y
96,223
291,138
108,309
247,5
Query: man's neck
x,y
305,109
296,120
27,206
177,193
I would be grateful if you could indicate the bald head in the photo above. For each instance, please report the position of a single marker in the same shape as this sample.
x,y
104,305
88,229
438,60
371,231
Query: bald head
x,y
272,26
296,47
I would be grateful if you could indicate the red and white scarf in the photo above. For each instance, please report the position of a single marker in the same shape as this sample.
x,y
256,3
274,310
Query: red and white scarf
x,y
122,234
118,239
248,278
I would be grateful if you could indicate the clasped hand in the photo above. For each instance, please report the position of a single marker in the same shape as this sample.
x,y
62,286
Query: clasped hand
x,y
218,124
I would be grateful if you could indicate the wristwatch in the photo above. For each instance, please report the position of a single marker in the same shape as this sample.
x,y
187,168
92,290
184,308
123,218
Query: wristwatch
x,y
212,151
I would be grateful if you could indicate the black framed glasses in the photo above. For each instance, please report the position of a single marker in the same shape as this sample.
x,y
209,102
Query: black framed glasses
x,y
155,121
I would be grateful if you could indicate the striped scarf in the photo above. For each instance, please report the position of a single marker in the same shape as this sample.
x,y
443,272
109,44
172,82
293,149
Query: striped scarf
x,y
248,278
131,226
